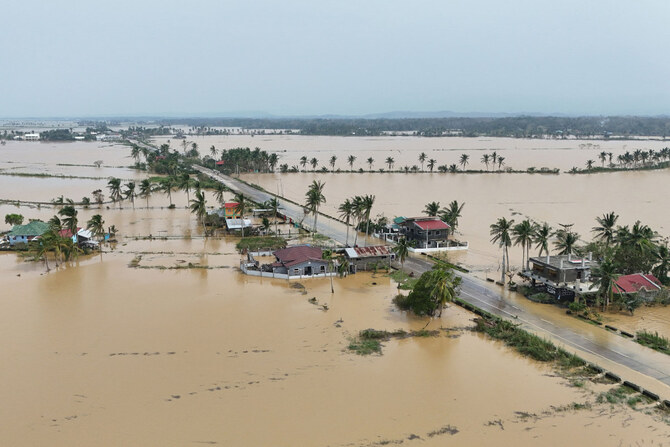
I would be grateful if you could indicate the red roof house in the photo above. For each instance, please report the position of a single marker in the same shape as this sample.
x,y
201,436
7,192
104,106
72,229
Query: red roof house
x,y
425,232
637,282
220,163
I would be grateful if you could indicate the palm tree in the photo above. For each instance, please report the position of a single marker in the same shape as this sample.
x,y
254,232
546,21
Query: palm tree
x,y
328,256
167,186
96,225
432,208
184,183
199,207
303,161
315,198
494,158
130,192
370,161
359,212
464,160
346,210
486,159
501,162
589,165
541,237
422,159
135,152
273,159
603,157
604,276
431,164
218,193
565,241
69,221
114,186
401,251
241,207
662,261
351,159
500,232
451,214
523,235
606,227
368,202
333,159
146,188
390,161
444,285
273,204
213,151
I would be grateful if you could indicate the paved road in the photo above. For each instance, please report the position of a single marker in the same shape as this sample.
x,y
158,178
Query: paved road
x,y
586,338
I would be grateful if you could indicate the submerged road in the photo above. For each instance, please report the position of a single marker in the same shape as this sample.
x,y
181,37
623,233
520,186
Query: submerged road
x,y
595,341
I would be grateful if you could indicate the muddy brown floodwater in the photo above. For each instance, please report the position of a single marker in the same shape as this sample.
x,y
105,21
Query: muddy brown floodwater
x,y
101,353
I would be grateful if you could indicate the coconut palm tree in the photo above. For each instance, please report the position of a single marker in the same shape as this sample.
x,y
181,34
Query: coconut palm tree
x,y
465,158
273,159
662,263
303,161
444,285
486,159
604,277
589,164
129,193
541,237
114,186
69,220
501,162
328,256
96,226
605,231
390,161
451,214
273,204
315,198
199,207
370,162
401,251
422,159
351,159
218,193
432,208
146,188
566,241
500,232
333,159
368,202
135,152
167,186
346,210
185,184
523,235
241,207
213,151
431,164
359,212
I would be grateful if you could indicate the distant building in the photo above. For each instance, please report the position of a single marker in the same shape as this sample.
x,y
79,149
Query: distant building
x,y
425,232
32,137
22,234
365,258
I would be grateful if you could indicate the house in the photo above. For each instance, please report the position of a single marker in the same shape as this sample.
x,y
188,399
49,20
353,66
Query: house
x,y
562,275
230,210
220,163
22,234
425,232
32,137
300,260
81,237
365,258
637,283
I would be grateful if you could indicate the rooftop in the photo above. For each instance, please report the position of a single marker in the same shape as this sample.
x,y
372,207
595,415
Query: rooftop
x,y
636,282
230,205
297,254
34,228
564,262
368,252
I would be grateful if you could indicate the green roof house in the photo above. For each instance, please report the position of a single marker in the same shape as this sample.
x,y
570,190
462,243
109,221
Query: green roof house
x,y
22,234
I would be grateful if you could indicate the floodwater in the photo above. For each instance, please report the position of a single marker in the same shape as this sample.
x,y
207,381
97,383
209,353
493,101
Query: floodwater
x,y
519,153
100,353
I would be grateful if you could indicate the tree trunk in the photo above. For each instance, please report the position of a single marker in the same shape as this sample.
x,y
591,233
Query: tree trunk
x,y
503,266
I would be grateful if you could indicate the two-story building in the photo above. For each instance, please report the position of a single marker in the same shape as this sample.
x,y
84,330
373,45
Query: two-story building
x,y
425,232
563,275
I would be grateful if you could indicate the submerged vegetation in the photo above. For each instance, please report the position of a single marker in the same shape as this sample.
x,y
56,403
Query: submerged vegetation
x,y
369,341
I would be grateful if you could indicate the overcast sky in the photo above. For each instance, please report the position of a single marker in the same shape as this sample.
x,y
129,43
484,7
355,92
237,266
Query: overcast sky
x,y
217,57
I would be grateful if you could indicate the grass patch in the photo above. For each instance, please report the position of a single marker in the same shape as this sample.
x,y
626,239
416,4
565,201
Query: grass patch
x,y
542,297
365,347
258,243
405,282
526,343
615,395
369,341
653,341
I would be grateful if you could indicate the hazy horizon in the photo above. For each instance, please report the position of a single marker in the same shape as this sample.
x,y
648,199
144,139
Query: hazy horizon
x,y
69,58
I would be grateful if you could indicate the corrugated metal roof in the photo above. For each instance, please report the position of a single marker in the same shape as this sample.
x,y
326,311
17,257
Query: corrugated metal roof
x,y
34,228
297,254
636,282
368,252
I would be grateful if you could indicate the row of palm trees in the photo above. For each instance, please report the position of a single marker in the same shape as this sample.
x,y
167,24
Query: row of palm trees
x,y
356,209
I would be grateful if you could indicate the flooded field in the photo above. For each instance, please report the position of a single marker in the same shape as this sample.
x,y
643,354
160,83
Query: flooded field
x,y
101,353
519,153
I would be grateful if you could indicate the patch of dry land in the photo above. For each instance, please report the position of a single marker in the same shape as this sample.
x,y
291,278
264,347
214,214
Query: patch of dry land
x,y
99,352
